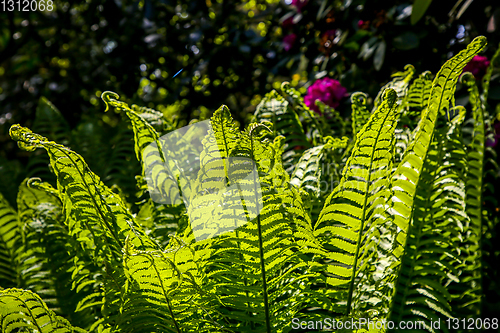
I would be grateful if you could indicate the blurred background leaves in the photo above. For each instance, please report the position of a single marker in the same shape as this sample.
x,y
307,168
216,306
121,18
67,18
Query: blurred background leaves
x,y
230,52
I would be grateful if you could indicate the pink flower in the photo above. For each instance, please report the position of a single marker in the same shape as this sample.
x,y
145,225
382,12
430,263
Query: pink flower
x,y
288,41
299,4
363,25
477,66
327,90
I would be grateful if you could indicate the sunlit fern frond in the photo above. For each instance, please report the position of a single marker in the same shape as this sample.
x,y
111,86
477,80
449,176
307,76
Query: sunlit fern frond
x,y
470,296
360,112
95,213
166,160
22,310
405,179
253,228
48,122
418,94
46,255
315,173
431,261
349,222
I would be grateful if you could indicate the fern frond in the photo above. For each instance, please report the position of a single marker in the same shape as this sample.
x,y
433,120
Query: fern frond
x,y
224,182
25,310
418,94
144,132
167,161
10,238
406,176
97,216
315,173
45,255
405,180
430,261
360,112
351,213
472,255
256,263
315,125
48,122
276,109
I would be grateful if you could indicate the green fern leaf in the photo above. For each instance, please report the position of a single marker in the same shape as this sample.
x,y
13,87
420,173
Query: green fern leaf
x,y
431,258
48,122
418,94
144,133
224,182
10,237
166,161
253,265
360,113
24,310
97,216
352,208
473,230
411,166
405,179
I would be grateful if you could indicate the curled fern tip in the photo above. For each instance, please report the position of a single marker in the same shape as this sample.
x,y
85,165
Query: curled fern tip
x,y
468,79
106,97
15,132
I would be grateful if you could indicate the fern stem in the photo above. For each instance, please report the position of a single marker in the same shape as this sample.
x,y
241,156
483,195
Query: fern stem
x,y
261,249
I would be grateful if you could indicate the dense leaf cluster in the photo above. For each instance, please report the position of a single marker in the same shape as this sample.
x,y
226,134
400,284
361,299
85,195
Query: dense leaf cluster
x,y
401,232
